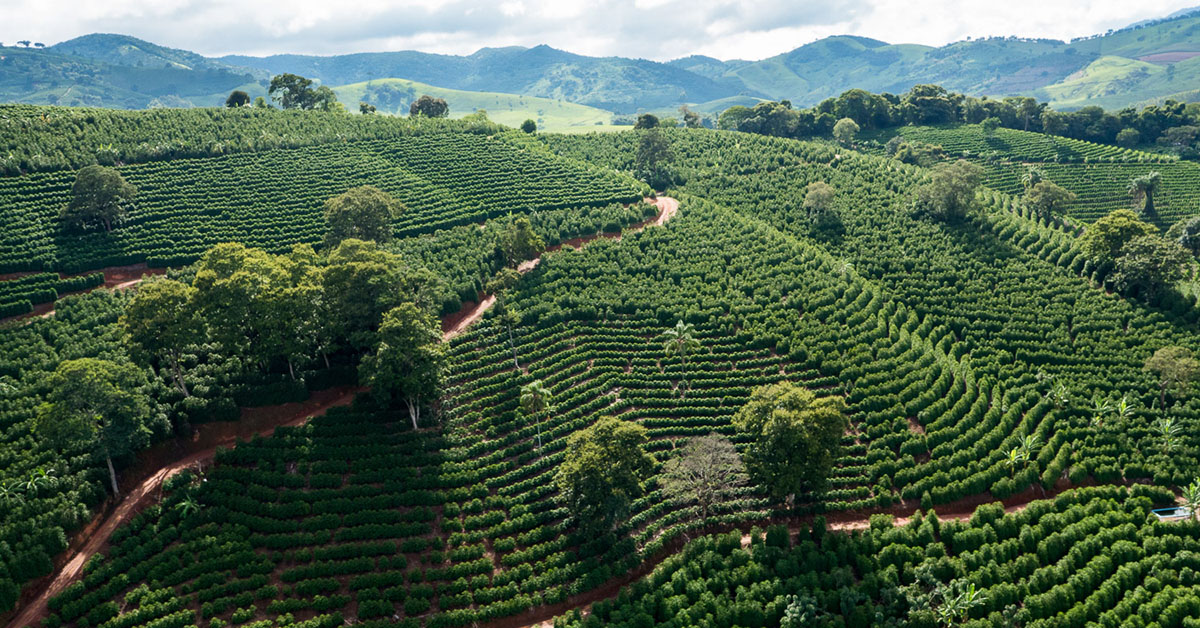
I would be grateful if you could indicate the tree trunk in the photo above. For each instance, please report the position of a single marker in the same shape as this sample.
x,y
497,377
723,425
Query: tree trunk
x,y
325,356
177,373
1149,209
414,412
291,371
112,475
1162,398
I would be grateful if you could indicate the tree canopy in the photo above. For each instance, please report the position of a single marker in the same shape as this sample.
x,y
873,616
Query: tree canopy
x,y
100,196
529,126
408,361
707,471
292,91
950,193
160,321
1048,198
602,472
96,405
1103,239
365,213
1175,368
429,107
794,437
237,98
844,130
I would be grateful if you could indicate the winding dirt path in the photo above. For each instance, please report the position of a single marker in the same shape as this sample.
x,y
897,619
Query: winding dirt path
x,y
456,323
141,484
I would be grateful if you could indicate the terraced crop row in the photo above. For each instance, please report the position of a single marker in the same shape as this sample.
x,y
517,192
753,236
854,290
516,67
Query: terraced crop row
x,y
1088,557
19,295
970,141
1102,188
273,199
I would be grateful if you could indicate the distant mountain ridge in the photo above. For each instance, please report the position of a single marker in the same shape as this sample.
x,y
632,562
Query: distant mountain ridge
x,y
1146,61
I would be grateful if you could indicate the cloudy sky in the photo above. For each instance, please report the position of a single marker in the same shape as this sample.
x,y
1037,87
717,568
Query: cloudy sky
x,y
652,29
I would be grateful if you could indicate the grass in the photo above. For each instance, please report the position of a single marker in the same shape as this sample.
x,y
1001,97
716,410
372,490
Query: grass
x,y
507,109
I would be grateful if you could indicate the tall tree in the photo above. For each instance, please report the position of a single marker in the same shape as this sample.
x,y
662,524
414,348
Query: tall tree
x,y
518,242
100,196
1142,190
1175,368
429,107
602,472
707,471
1103,240
535,399
1148,264
1191,499
506,314
364,213
160,321
652,163
237,98
407,364
292,91
1047,198
96,405
950,193
818,198
646,121
691,119
366,108
681,341
844,130
529,126
794,435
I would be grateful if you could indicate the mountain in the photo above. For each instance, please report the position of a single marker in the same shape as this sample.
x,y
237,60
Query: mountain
x,y
1145,62
612,83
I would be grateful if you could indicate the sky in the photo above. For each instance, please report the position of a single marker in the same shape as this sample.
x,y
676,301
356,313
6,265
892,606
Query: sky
x,y
650,29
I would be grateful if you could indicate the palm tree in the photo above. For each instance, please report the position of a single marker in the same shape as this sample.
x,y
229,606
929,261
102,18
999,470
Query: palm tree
x,y
1101,408
1191,498
1013,459
1169,431
681,341
188,506
535,399
1144,187
10,493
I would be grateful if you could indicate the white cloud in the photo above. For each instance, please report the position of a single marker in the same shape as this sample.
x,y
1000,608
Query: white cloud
x,y
654,29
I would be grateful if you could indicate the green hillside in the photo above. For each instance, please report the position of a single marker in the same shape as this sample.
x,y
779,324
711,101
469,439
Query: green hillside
x,y
395,95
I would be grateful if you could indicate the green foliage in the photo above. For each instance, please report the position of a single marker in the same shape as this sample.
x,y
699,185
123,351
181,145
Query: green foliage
x,y
100,197
602,472
529,126
429,107
1103,240
1047,199
408,361
844,130
292,91
237,98
950,193
362,213
1148,265
518,242
161,320
795,437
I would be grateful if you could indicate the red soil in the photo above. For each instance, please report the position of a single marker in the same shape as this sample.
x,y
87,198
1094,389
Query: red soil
x,y
115,278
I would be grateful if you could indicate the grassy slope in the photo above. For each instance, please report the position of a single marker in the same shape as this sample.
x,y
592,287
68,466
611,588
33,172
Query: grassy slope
x,y
508,109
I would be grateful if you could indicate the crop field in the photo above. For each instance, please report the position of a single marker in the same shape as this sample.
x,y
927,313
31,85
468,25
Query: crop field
x,y
273,199
952,344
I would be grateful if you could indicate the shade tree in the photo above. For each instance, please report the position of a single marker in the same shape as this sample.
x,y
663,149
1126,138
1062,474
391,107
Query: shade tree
x,y
407,362
706,470
603,470
99,197
365,213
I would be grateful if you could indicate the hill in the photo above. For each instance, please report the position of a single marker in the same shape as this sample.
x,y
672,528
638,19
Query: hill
x,y
395,95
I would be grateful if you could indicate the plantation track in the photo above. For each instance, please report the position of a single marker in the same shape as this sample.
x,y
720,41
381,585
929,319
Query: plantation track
x,y
846,521
115,278
154,467
456,323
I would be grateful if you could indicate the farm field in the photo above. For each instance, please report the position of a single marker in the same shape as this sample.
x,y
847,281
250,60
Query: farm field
x,y
951,347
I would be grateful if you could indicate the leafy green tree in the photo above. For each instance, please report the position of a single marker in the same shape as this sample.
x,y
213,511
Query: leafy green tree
x,y
364,213
324,99
535,399
1048,199
681,341
1142,190
160,321
529,126
707,471
237,98
989,126
1128,138
96,405
1187,233
918,153
292,91
795,437
1175,368
1103,240
691,119
518,242
950,193
646,121
1032,177
100,196
844,130
366,108
652,163
429,107
1148,265
930,104
407,364
1191,499
602,472
818,198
